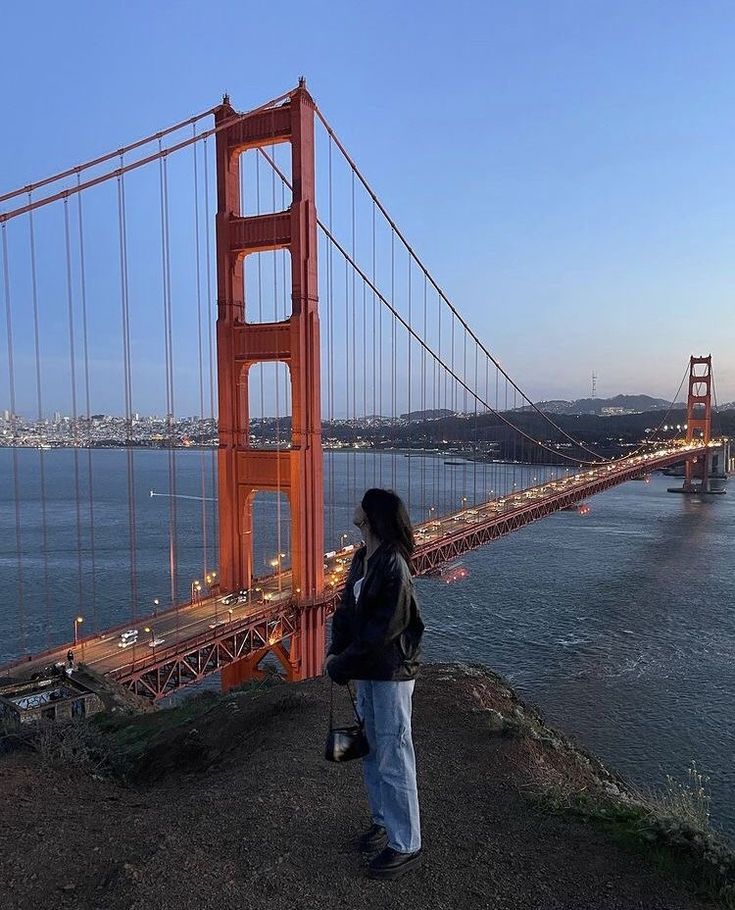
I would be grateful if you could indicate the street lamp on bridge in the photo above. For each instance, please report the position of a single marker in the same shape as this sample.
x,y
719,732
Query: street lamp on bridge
x,y
149,629
77,622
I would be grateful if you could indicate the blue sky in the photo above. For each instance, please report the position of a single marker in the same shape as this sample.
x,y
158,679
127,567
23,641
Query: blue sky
x,y
566,169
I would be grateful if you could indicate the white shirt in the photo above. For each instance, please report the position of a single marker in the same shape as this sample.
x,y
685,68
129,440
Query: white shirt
x,y
358,587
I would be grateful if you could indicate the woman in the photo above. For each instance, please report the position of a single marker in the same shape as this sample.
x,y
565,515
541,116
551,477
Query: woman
x,y
376,634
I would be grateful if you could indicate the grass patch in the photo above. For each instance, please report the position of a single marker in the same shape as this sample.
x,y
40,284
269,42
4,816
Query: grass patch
x,y
670,827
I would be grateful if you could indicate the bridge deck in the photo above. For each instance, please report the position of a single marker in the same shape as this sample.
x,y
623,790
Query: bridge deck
x,y
197,639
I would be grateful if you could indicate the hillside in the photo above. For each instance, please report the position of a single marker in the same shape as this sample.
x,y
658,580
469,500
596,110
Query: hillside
x,y
631,403
226,802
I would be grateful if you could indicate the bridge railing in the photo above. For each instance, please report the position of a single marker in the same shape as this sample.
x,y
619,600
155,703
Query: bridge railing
x,y
211,636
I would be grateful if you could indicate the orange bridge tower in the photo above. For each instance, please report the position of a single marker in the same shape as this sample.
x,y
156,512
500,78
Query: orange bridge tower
x,y
699,421
244,470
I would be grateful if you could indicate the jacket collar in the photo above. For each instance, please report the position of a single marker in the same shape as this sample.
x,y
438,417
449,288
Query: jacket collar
x,y
378,556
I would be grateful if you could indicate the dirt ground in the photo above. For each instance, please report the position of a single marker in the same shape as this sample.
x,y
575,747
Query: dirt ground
x,y
239,810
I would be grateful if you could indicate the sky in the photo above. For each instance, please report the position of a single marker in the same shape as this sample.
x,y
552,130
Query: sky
x,y
566,170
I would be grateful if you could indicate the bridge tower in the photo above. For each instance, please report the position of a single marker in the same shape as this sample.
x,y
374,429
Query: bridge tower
x,y
244,470
699,421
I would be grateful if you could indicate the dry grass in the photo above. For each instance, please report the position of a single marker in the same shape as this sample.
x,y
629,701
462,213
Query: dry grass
x,y
72,744
671,824
687,803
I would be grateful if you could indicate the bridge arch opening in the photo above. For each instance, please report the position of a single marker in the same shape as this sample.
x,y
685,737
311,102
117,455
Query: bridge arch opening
x,y
271,545
262,192
265,390
267,282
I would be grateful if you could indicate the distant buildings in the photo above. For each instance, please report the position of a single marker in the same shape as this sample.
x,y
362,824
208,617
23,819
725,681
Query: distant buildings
x,y
617,412
105,431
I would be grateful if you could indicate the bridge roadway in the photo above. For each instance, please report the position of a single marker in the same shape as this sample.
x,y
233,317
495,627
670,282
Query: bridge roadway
x,y
198,638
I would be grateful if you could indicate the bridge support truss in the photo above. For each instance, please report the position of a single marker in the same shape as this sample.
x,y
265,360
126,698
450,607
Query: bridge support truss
x,y
244,470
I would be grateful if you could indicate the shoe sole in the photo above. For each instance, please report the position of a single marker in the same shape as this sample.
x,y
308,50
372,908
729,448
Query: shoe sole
x,y
396,872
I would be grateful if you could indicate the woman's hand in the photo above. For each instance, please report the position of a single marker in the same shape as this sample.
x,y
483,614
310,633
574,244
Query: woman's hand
x,y
326,663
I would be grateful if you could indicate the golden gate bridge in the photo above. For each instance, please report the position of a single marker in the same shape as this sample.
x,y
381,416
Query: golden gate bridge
x,y
325,317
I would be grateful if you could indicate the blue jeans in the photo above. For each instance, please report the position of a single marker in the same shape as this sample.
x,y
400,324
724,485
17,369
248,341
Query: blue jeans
x,y
390,767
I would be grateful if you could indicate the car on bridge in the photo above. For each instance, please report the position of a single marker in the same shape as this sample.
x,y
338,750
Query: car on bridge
x,y
230,599
129,637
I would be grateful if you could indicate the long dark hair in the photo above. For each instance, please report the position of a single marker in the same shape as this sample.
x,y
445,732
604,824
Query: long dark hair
x,y
388,519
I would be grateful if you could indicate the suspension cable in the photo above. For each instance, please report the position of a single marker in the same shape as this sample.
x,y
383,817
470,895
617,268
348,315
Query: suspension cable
x,y
77,169
124,169
449,371
441,293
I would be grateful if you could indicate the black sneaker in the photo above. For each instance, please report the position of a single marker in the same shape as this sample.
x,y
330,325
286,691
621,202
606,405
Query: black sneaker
x,y
373,839
392,864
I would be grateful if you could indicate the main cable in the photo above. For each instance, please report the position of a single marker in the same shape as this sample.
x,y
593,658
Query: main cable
x,y
441,293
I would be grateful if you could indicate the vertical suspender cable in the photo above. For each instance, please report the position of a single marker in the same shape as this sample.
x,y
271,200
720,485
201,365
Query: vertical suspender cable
x,y
200,359
330,342
381,371
441,405
506,443
515,442
464,407
74,414
438,391
170,402
485,433
328,360
423,409
353,434
450,390
350,485
287,308
14,430
410,461
393,359
500,429
476,454
127,390
88,406
211,310
39,409
364,383
374,341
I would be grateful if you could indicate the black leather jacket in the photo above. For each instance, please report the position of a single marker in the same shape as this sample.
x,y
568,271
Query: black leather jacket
x,y
378,637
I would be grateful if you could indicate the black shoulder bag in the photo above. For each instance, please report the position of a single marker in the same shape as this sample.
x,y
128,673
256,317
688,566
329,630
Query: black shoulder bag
x,y
345,743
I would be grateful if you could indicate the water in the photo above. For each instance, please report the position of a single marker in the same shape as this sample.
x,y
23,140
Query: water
x,y
619,624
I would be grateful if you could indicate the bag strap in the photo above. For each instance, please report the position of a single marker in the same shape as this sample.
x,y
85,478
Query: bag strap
x,y
359,719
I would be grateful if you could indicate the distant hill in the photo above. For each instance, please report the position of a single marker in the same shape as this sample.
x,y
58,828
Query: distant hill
x,y
436,414
620,404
